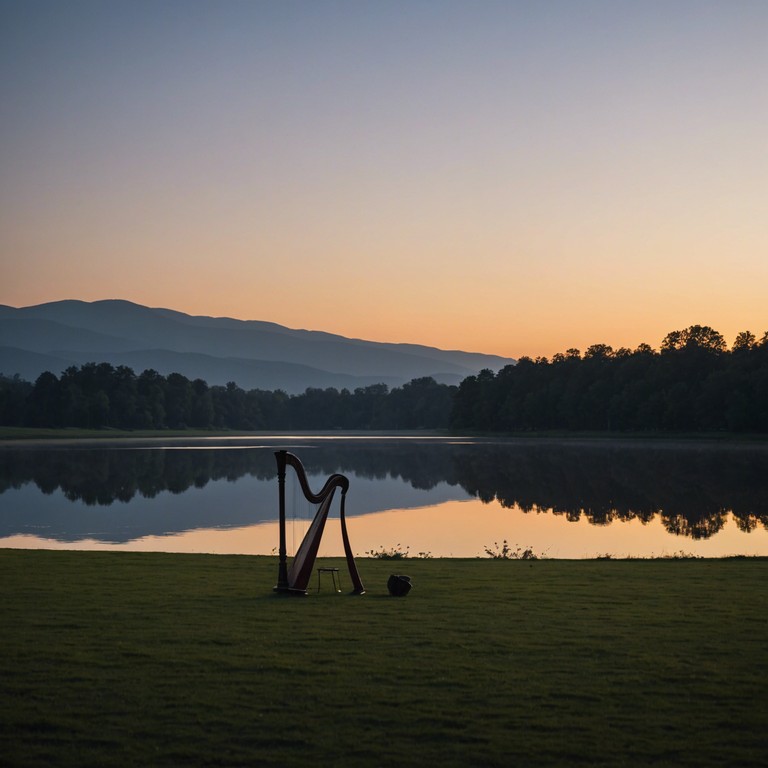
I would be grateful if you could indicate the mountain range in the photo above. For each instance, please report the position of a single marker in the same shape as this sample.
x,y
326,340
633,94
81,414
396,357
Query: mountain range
x,y
254,354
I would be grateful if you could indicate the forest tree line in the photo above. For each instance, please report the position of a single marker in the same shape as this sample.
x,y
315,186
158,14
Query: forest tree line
x,y
99,395
693,383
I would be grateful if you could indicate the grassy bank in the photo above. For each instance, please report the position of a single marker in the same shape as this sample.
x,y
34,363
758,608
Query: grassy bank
x,y
152,659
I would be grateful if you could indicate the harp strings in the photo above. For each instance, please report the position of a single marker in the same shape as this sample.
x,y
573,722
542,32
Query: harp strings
x,y
301,513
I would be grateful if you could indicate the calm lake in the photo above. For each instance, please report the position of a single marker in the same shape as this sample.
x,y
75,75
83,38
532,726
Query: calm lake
x,y
449,497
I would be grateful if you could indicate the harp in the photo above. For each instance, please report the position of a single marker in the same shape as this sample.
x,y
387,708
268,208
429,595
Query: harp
x,y
294,579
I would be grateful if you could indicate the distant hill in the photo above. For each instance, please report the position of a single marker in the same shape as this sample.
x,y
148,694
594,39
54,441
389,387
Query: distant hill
x,y
254,354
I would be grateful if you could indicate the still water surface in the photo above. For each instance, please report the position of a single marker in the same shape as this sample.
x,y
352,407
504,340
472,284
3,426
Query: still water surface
x,y
447,497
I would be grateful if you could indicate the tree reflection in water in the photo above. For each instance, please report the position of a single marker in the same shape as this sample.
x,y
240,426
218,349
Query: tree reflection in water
x,y
692,487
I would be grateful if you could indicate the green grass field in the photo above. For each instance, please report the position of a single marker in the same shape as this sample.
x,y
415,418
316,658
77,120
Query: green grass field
x,y
112,659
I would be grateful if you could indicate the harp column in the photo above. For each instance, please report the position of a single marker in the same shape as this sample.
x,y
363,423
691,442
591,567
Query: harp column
x,y
282,570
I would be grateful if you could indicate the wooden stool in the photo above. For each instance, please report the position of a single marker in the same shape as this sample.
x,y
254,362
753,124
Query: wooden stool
x,y
334,576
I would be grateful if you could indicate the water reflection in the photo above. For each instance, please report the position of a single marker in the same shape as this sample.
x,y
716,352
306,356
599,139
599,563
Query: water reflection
x,y
691,487
691,490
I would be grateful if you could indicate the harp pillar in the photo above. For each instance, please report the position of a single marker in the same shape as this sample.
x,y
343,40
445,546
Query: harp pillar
x,y
282,568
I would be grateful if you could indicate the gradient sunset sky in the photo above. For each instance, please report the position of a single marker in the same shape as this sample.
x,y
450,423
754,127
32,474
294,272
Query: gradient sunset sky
x,y
508,177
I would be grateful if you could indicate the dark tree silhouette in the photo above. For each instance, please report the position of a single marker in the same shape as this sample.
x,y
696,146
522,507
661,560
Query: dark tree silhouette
x,y
693,384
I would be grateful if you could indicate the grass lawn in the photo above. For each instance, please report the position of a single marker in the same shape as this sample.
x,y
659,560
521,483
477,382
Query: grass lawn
x,y
115,659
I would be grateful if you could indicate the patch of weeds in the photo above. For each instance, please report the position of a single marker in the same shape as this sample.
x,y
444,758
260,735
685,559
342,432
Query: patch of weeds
x,y
392,553
506,552
680,555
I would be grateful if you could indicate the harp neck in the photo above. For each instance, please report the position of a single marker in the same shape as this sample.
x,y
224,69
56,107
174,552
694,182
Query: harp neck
x,y
285,458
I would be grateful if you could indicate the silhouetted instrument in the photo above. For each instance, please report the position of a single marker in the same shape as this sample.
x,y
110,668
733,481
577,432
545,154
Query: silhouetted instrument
x,y
294,579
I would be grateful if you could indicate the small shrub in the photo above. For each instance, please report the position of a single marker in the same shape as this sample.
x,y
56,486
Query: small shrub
x,y
680,556
393,553
505,552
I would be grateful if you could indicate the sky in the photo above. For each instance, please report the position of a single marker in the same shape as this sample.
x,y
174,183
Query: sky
x,y
516,178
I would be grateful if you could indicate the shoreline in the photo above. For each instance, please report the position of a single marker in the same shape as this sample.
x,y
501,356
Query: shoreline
x,y
401,563
34,436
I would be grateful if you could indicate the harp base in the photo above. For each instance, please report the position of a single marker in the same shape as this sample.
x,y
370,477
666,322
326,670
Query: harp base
x,y
292,591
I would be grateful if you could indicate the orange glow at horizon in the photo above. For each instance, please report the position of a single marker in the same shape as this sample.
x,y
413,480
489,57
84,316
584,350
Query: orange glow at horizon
x,y
513,179
459,328
452,529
